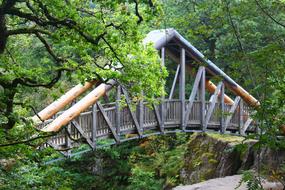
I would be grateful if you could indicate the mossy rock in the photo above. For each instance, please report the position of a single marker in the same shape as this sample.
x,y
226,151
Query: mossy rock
x,y
211,155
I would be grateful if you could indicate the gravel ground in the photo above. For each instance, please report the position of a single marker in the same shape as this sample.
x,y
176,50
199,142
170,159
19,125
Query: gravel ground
x,y
226,183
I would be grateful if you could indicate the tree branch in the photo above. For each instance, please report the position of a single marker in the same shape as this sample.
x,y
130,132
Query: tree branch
x,y
31,30
234,27
26,141
113,50
31,83
267,14
52,21
49,49
7,4
137,12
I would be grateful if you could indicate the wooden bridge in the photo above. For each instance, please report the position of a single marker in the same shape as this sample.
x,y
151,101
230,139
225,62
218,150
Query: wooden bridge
x,y
207,108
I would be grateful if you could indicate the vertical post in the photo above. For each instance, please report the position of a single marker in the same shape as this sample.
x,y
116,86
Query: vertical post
x,y
118,111
202,98
141,113
67,140
94,125
222,106
162,105
182,87
241,116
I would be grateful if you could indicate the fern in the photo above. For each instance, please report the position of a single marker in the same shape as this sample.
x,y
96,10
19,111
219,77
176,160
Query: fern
x,y
251,180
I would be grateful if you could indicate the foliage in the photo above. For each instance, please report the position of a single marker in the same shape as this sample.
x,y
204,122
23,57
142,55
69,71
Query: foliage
x,y
271,113
246,40
252,181
143,180
149,164
44,42
279,175
47,46
31,176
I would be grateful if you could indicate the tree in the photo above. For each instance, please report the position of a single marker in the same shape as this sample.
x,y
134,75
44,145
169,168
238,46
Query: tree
x,y
44,41
231,33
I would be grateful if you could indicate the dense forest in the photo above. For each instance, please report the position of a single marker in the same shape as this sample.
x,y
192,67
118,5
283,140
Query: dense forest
x,y
46,47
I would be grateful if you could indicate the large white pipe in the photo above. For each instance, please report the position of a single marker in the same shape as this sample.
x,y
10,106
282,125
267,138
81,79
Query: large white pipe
x,y
60,103
79,107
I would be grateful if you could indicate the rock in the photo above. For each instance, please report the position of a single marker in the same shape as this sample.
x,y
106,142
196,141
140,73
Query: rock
x,y
227,183
269,158
7,164
211,156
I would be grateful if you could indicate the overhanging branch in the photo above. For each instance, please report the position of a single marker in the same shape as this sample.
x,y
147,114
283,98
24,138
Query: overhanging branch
x,y
26,141
26,31
269,15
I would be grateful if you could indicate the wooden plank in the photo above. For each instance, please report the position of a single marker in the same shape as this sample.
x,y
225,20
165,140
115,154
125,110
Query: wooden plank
x,y
94,125
80,130
158,118
182,87
246,125
174,83
202,98
67,140
231,112
213,103
104,114
118,111
241,112
222,105
193,94
131,112
141,113
162,115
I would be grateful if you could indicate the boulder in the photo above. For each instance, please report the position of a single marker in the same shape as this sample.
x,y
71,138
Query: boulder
x,y
212,155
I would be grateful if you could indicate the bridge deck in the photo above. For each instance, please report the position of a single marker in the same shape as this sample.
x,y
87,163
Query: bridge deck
x,y
115,122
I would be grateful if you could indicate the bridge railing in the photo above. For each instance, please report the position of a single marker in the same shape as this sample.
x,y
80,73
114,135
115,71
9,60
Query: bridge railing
x,y
103,129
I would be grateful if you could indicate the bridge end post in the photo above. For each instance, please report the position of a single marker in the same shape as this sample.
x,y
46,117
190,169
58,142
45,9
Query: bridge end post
x,y
162,104
182,88
202,99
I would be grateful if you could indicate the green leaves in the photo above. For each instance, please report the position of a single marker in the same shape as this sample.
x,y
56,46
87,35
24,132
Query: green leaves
x,y
78,41
143,180
252,181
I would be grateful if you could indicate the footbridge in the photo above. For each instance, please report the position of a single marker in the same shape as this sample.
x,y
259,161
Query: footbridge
x,y
224,107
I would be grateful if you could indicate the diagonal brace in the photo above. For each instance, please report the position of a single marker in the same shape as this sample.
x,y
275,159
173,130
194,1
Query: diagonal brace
x,y
80,130
231,112
213,103
115,135
193,94
132,113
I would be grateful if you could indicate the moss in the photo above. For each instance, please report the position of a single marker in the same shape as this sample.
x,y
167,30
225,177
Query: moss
x,y
208,154
233,140
213,161
204,152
